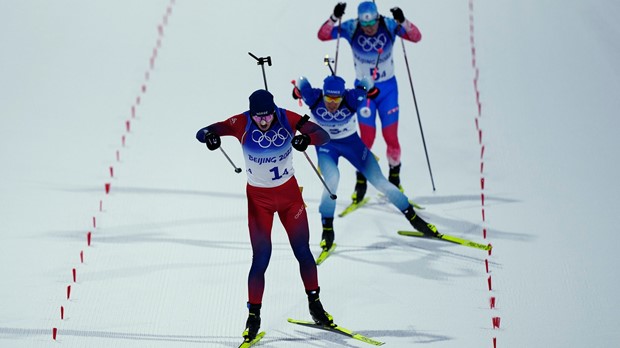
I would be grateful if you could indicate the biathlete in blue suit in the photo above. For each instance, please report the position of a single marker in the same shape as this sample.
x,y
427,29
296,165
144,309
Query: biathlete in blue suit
x,y
333,108
372,39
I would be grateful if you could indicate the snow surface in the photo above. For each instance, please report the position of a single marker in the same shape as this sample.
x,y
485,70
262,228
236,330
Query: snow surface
x,y
170,253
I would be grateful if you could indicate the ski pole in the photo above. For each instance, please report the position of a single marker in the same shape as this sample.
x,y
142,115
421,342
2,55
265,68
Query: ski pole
x,y
301,122
337,48
415,103
375,71
237,169
331,195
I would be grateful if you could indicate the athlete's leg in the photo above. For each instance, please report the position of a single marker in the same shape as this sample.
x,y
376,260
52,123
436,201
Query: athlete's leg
x,y
366,116
292,213
361,158
388,113
260,221
390,134
328,162
374,175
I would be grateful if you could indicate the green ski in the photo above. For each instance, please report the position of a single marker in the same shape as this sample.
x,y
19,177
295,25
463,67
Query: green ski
x,y
447,238
337,329
325,254
353,206
250,343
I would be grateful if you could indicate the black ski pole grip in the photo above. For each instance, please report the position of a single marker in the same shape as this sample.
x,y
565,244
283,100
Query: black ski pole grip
x,y
301,122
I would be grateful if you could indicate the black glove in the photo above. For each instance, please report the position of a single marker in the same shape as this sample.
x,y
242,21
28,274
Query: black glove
x,y
373,93
339,10
296,93
301,142
398,15
213,141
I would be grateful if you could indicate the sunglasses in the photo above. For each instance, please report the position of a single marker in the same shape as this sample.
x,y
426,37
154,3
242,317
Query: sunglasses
x,y
368,23
259,119
330,99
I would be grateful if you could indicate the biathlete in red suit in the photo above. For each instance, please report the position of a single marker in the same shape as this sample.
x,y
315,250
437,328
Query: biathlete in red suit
x,y
267,136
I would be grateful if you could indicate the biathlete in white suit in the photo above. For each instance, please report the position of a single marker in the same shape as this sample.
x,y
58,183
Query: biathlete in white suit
x,y
372,37
267,136
333,108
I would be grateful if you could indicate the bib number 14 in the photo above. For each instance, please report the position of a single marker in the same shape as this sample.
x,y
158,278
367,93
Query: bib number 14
x,y
276,173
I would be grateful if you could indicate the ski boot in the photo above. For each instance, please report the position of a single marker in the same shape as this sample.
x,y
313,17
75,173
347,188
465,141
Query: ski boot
x,y
253,323
419,224
319,315
327,239
394,176
360,188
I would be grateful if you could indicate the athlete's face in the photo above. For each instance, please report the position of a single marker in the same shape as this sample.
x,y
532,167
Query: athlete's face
x,y
263,122
332,102
370,28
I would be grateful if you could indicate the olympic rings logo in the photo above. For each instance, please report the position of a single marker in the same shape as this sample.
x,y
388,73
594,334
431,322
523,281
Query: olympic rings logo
x,y
372,43
271,137
339,115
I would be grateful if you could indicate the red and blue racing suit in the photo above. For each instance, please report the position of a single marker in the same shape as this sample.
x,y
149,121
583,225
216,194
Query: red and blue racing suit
x,y
365,53
272,188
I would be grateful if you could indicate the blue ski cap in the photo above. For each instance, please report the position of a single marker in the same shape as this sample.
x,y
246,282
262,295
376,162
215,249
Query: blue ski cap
x,y
333,86
261,103
367,11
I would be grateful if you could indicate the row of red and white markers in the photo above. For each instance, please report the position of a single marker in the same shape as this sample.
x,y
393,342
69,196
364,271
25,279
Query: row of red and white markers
x,y
495,320
108,185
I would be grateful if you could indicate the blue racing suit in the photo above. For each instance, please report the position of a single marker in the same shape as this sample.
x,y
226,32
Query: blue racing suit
x,y
345,142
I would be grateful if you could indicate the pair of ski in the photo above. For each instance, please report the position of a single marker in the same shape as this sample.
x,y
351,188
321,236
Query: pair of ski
x,y
333,328
445,237
448,238
354,206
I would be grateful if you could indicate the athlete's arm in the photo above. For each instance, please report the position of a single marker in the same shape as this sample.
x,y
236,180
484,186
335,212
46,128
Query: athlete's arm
x,y
318,136
234,126
406,30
